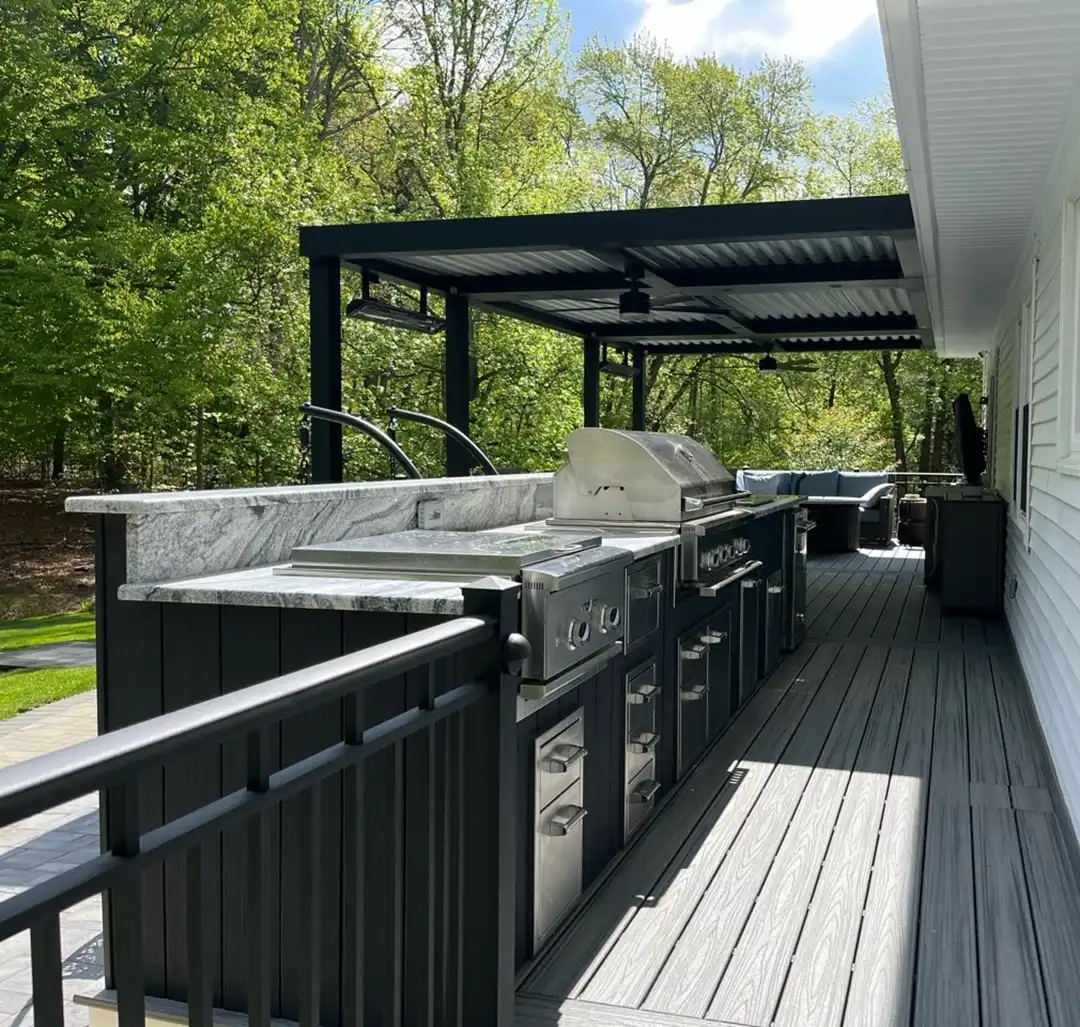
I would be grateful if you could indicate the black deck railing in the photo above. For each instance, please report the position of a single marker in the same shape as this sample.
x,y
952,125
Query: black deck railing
x,y
451,958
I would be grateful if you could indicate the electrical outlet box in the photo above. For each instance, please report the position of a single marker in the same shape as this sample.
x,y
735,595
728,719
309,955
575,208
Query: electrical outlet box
x,y
429,514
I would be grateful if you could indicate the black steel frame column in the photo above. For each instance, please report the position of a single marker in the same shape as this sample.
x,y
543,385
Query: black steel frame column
x,y
641,360
590,395
324,297
456,384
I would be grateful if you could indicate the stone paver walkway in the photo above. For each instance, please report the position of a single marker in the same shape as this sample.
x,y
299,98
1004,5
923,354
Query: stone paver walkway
x,y
40,846
51,655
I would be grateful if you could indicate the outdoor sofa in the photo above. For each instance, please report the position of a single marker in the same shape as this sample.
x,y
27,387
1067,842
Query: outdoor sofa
x,y
871,489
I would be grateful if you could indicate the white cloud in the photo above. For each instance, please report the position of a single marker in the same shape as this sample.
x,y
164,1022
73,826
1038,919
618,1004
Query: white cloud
x,y
804,29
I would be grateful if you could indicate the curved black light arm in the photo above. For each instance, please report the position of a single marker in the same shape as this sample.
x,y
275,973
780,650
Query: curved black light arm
x,y
450,431
367,428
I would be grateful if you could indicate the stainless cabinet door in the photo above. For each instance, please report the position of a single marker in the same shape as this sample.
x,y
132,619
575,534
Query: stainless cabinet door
x,y
558,860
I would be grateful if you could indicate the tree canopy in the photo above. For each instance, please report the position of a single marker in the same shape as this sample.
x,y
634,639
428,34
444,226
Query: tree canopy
x,y
157,158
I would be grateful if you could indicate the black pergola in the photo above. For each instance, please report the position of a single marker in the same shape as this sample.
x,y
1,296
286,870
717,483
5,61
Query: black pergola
x,y
802,276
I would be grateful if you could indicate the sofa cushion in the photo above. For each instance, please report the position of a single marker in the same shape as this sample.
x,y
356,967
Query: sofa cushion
x,y
815,483
764,483
855,484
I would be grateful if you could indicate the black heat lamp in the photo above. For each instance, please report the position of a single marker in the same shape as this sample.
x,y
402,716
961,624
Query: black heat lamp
x,y
623,370
364,308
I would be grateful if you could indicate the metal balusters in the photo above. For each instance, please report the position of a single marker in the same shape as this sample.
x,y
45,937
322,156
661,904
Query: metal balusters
x,y
125,902
419,855
352,876
259,906
200,992
311,921
47,973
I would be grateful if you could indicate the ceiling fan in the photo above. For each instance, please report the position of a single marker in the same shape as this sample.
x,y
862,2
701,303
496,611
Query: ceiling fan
x,y
768,364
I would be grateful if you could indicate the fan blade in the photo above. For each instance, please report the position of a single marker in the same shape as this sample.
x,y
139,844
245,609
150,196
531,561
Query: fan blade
x,y
796,365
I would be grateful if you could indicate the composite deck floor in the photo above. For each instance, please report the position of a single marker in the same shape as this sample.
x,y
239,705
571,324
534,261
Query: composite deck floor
x,y
871,843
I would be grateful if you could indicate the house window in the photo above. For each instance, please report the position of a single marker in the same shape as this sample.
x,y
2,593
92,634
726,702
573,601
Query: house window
x,y
1069,368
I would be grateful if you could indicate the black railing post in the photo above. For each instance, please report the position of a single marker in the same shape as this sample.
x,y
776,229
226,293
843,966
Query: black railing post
x,y
125,904
487,852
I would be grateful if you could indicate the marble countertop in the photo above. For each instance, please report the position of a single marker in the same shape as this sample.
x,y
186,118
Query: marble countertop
x,y
262,586
217,499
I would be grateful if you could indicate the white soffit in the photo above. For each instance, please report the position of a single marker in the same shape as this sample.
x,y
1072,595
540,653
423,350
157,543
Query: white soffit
x,y
986,95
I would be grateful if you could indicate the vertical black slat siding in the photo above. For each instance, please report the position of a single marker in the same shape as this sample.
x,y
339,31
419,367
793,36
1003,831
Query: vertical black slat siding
x,y
419,865
381,857
201,946
456,943
129,692
129,972
352,871
191,673
261,882
308,934
47,973
324,297
249,654
309,637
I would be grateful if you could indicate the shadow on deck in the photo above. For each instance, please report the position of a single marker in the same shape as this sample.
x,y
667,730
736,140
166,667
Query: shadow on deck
x,y
873,841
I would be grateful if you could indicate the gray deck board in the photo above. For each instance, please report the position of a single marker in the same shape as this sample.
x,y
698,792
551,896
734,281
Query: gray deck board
x,y
750,989
1055,906
946,983
873,842
1010,983
818,982
880,990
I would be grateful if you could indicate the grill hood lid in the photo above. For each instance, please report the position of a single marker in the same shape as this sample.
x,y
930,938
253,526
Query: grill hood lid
x,y
633,476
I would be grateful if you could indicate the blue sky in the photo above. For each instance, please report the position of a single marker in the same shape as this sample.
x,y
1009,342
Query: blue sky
x,y
838,40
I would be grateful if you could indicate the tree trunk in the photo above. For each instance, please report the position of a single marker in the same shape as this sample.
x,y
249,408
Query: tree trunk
x,y
199,447
896,413
58,452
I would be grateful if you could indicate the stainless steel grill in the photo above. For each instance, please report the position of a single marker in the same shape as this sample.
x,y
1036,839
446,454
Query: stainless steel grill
x,y
649,481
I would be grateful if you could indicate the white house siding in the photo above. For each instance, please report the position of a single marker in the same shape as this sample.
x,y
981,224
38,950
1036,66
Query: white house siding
x,y
1044,615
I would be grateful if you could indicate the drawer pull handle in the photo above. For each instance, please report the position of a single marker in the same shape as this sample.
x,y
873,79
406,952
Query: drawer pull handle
x,y
567,820
645,591
562,758
694,692
714,637
643,743
693,652
645,792
643,695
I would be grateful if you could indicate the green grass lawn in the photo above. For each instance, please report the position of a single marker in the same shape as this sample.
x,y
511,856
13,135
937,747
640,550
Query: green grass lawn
x,y
22,690
55,627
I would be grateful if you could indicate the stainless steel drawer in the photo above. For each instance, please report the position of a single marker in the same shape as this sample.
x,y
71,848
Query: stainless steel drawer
x,y
641,747
558,860
560,758
644,596
642,695
641,795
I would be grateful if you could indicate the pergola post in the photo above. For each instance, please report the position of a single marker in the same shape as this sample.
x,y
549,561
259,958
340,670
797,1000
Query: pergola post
x,y
640,358
324,298
590,395
456,384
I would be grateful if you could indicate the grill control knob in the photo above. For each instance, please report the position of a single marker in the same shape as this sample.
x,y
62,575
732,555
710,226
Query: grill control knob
x,y
714,559
577,633
608,617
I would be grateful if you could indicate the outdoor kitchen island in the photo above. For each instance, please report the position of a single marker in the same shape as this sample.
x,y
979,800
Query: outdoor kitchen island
x,y
660,655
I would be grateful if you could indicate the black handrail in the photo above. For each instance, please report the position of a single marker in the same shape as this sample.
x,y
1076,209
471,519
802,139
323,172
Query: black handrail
x,y
43,782
337,417
450,431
